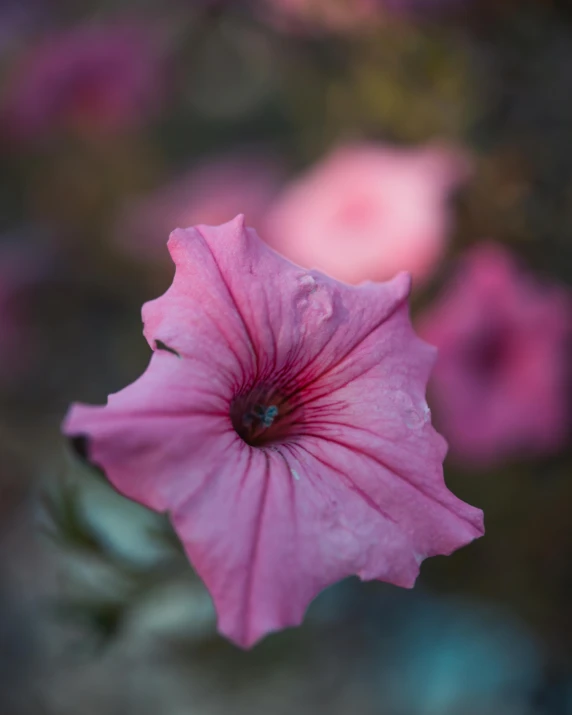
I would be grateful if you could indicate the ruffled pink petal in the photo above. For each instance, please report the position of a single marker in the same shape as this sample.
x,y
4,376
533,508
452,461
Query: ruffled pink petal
x,y
383,438
246,307
272,530
160,437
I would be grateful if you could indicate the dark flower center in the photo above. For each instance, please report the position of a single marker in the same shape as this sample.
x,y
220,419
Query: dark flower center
x,y
262,415
489,354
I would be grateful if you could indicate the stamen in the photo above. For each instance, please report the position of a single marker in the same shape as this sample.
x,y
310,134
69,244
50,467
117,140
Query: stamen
x,y
267,415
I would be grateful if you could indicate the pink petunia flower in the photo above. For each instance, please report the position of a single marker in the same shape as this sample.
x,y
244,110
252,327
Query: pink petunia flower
x,y
92,80
213,192
500,381
283,426
368,211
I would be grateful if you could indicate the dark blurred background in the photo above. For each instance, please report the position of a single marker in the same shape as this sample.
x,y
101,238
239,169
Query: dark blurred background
x,y
121,120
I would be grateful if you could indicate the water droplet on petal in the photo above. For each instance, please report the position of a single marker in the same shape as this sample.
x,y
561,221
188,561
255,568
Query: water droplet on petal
x,y
309,282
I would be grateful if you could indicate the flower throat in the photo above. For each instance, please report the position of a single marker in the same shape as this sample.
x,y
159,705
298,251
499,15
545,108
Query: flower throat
x,y
261,416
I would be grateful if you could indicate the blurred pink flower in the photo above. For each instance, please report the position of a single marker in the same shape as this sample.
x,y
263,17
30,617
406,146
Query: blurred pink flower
x,y
215,191
95,80
368,211
500,383
283,426
345,15
329,15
